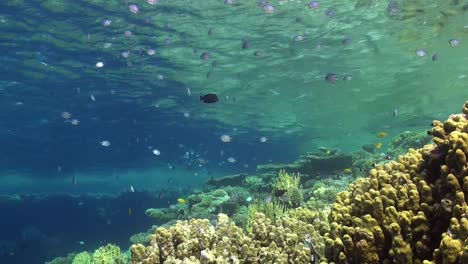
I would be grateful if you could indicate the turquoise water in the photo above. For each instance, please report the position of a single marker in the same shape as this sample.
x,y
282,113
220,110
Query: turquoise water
x,y
58,106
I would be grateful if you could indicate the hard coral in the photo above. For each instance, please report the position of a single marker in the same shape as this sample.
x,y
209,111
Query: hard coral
x,y
62,260
198,240
311,164
410,210
413,210
401,143
109,254
272,210
83,258
255,183
204,204
162,215
287,189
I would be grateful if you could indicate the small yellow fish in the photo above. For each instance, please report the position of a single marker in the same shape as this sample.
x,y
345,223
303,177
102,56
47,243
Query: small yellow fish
x,y
378,145
129,211
382,134
181,201
347,170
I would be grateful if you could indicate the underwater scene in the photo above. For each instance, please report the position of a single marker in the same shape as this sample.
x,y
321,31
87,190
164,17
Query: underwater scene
x,y
233,131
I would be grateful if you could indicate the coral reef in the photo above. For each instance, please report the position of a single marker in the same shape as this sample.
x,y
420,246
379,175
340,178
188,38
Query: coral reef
x,y
230,180
257,183
63,260
401,143
272,210
322,193
286,189
162,215
204,204
140,238
197,241
83,258
313,163
109,254
412,210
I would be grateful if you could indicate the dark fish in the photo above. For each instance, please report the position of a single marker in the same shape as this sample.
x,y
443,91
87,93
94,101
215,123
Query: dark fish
x,y
160,195
331,78
209,98
279,193
262,3
258,53
205,56
245,44
346,41
393,8
210,31
330,13
454,42
435,57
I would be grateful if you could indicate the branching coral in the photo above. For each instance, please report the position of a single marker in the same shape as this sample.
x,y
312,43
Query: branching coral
x,y
255,183
83,258
287,189
109,254
272,210
204,204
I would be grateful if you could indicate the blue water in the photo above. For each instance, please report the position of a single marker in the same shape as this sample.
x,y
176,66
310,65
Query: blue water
x,y
57,107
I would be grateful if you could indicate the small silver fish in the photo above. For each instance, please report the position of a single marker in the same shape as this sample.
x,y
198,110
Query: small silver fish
x,y
421,53
454,42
